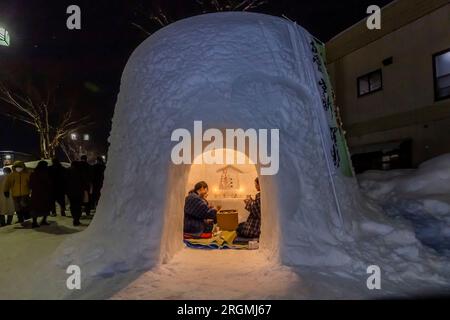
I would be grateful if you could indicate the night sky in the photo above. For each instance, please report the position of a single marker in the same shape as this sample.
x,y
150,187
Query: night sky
x,y
86,65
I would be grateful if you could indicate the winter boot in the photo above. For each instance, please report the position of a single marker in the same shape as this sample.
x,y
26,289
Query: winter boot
x,y
2,221
20,217
35,224
44,221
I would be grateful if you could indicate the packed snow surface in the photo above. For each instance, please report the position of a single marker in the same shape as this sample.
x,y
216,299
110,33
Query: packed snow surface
x,y
421,196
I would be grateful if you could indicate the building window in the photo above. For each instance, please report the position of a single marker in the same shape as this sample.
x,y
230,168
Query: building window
x,y
369,83
441,67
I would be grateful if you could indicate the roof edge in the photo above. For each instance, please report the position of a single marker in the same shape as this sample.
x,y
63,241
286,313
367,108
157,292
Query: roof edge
x,y
395,15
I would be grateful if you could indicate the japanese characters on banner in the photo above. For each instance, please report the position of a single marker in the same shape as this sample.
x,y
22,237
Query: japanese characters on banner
x,y
334,133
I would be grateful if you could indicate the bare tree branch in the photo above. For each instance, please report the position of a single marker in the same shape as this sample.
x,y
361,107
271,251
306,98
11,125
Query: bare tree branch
x,y
40,113
141,28
161,18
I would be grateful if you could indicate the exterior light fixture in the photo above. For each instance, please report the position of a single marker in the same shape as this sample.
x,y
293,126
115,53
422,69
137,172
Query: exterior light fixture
x,y
74,136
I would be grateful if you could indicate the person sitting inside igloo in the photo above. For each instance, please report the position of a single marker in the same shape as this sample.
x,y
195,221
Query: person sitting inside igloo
x,y
252,227
199,217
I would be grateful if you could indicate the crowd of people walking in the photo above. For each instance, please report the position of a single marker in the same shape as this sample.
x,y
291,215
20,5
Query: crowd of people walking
x,y
33,194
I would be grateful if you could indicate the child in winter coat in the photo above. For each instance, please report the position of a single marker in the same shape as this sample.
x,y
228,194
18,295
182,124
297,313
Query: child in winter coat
x,y
6,204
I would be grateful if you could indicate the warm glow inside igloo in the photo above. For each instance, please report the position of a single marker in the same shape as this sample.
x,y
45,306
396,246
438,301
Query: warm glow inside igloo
x,y
229,184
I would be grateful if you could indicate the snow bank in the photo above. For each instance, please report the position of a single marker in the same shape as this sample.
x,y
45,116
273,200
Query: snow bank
x,y
421,196
431,178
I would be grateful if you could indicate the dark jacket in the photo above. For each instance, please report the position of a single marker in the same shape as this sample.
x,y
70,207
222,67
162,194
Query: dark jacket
x,y
196,210
58,175
41,193
86,171
98,174
76,183
252,227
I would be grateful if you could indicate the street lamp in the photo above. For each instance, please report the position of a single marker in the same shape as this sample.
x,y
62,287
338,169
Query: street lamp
x,y
4,37
74,136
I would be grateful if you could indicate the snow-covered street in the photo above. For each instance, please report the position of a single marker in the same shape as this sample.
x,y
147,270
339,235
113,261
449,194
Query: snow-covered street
x,y
419,197
23,251
193,274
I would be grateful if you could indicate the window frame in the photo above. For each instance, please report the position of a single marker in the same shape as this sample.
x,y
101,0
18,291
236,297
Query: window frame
x,y
368,75
435,82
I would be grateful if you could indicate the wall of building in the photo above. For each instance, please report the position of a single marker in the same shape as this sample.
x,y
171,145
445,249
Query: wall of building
x,y
8,157
406,106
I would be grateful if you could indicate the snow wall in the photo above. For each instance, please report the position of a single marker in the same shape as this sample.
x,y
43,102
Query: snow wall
x,y
229,70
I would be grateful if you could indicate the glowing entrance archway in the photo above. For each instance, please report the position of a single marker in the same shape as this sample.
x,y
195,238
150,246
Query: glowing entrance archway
x,y
229,184
232,180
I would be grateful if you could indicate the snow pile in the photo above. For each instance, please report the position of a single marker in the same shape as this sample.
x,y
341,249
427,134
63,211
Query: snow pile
x,y
33,164
229,70
421,196
431,178
232,70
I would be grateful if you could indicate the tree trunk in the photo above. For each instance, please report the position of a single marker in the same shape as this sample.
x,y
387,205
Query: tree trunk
x,y
43,145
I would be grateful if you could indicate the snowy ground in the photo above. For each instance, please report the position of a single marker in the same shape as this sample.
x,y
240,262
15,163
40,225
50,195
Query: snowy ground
x,y
230,274
191,274
24,250
420,197
215,274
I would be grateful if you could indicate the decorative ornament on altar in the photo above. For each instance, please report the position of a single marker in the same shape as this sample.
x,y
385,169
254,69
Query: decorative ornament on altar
x,y
229,186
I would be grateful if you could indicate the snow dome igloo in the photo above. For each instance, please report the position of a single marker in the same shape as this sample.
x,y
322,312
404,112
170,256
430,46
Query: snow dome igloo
x,y
228,70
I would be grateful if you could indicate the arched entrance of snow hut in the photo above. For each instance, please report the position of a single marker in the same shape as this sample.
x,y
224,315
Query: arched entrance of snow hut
x,y
229,182
183,177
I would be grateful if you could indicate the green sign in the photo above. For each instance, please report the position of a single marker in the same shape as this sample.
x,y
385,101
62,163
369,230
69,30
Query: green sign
x,y
4,37
341,155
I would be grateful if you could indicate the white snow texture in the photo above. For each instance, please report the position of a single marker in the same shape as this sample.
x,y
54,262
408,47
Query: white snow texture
x,y
231,70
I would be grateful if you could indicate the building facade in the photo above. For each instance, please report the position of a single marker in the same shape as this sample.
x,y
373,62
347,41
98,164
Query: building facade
x,y
8,157
393,85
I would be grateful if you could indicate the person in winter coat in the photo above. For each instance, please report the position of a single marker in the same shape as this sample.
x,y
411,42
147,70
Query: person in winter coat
x,y
41,194
198,216
86,171
17,187
252,227
6,204
58,175
98,174
76,186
